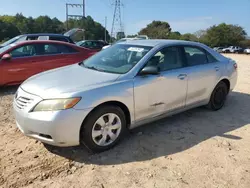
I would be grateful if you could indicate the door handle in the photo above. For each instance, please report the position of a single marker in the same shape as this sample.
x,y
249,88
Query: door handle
x,y
182,76
216,69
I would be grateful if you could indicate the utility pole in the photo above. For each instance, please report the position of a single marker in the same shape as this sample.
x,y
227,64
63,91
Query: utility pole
x,y
82,16
117,21
105,32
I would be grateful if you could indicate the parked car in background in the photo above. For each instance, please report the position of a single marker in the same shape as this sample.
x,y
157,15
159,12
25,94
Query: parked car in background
x,y
233,49
19,61
127,85
142,37
247,51
92,44
44,36
218,49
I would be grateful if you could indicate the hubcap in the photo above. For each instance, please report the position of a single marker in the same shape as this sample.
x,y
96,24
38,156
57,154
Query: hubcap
x,y
106,129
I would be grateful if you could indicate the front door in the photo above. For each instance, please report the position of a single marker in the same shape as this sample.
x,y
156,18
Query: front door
x,y
157,94
23,64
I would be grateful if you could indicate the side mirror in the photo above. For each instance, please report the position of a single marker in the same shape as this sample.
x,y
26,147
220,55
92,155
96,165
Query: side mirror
x,y
153,70
6,57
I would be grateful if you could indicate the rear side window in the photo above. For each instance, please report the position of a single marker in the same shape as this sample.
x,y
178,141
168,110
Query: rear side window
x,y
52,49
195,56
211,58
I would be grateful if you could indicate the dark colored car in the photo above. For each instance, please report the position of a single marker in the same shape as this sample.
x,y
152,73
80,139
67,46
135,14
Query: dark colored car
x,y
92,44
19,61
66,37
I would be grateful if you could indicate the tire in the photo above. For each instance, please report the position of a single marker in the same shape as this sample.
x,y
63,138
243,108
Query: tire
x,y
218,97
90,134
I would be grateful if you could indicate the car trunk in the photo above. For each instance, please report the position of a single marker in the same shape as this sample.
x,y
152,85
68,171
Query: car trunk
x,y
75,34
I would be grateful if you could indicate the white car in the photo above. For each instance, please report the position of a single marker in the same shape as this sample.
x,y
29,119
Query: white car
x,y
247,51
232,49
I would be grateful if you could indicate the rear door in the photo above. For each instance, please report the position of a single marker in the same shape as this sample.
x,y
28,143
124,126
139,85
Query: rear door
x,y
57,55
203,71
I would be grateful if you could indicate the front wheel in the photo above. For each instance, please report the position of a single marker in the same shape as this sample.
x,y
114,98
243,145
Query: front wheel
x,y
218,97
103,128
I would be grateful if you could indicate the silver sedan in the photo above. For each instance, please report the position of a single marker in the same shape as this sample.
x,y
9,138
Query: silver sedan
x,y
127,85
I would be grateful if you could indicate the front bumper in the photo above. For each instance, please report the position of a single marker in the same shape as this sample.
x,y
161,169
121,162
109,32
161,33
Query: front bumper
x,y
58,128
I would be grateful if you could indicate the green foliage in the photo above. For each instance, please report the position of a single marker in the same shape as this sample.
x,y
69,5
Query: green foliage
x,y
245,43
131,36
157,30
189,37
93,30
11,26
224,35
174,35
217,35
8,30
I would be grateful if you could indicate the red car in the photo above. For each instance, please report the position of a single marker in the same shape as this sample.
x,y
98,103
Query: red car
x,y
19,61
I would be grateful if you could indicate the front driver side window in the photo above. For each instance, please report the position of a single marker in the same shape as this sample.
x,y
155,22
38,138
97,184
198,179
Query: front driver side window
x,y
24,51
167,59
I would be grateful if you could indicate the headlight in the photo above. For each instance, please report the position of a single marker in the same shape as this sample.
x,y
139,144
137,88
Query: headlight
x,y
56,104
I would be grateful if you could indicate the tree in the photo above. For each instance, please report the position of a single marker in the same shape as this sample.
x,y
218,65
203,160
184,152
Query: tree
x,y
131,36
19,24
189,37
200,34
8,30
245,43
224,35
156,30
174,35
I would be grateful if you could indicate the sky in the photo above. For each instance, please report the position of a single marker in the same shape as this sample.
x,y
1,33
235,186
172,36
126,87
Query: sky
x,y
182,15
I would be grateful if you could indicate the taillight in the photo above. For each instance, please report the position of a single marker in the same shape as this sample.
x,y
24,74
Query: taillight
x,y
235,66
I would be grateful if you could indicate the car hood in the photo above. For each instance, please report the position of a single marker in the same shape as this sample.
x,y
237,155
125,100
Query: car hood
x,y
65,80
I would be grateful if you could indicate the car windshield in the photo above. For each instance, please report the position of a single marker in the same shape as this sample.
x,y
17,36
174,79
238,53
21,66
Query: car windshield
x,y
11,41
118,59
5,48
80,43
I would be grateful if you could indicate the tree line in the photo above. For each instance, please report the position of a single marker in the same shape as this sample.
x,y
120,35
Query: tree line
x,y
217,35
11,26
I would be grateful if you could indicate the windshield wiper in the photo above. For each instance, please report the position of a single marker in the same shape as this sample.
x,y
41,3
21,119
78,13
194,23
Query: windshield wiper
x,y
92,67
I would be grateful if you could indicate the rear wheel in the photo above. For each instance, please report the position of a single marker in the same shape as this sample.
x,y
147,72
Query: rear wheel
x,y
218,97
103,128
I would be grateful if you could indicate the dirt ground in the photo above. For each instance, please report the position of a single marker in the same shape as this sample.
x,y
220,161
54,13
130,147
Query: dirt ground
x,y
197,149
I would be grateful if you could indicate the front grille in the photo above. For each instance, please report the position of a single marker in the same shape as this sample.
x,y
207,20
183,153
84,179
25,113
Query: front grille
x,y
23,102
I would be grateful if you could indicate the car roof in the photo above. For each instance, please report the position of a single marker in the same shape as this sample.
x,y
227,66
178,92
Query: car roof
x,y
44,34
156,42
43,41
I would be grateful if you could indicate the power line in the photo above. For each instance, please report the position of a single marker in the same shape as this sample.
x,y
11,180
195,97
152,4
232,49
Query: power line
x,y
117,21
76,16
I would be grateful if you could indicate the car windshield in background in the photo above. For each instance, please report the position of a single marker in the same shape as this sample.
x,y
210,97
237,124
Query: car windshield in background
x,y
5,48
118,59
80,43
11,41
